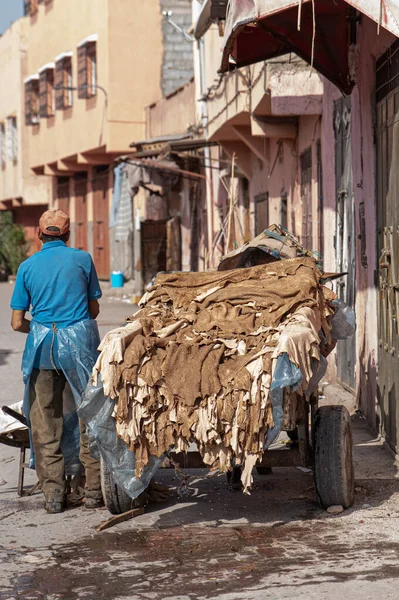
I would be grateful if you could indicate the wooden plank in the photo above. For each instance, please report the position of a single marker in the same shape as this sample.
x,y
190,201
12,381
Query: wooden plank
x,y
130,514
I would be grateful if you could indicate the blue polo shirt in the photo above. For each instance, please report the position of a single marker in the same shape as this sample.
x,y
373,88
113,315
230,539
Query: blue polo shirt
x,y
55,285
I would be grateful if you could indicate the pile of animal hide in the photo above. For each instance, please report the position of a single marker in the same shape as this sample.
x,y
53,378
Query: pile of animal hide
x,y
196,362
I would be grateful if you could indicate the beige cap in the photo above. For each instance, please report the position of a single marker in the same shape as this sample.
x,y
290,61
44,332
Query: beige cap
x,y
54,218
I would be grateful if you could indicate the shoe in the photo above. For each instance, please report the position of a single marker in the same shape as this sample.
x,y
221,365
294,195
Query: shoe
x,y
94,499
53,507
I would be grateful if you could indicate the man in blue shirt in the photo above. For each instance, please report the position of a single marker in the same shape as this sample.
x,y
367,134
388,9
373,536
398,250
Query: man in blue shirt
x,y
59,286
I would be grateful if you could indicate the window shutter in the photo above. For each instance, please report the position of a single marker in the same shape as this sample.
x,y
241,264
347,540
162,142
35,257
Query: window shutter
x,y
50,92
59,83
82,72
43,95
34,107
91,69
67,75
28,103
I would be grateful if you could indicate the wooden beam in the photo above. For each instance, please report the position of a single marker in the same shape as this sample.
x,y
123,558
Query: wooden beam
x,y
243,155
274,127
259,146
55,172
64,165
95,159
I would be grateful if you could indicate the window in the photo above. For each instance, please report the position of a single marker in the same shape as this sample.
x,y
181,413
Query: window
x,y
87,67
63,81
46,91
12,139
2,145
32,100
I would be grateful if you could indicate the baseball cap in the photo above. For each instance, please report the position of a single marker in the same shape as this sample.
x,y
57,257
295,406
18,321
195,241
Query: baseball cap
x,y
54,223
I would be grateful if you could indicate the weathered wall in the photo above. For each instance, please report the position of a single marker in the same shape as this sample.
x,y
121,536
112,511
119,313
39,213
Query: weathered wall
x,y
125,60
173,114
177,65
16,180
371,46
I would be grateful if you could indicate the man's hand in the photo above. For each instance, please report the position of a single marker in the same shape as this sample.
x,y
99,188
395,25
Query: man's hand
x,y
18,321
94,308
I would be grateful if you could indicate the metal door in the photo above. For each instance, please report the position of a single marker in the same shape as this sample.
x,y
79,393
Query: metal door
x,y
81,237
101,224
63,194
306,196
153,249
345,245
261,212
387,242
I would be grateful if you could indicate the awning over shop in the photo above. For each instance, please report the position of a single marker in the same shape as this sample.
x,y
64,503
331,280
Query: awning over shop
x,y
319,31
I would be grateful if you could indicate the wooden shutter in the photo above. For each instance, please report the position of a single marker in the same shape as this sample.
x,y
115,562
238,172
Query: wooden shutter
x,y
67,74
82,71
59,84
91,69
28,102
46,86
43,94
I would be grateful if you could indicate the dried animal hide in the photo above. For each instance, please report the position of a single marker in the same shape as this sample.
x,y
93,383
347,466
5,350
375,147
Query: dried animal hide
x,y
196,362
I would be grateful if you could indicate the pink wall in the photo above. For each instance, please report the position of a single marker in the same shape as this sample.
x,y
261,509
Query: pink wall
x,y
370,47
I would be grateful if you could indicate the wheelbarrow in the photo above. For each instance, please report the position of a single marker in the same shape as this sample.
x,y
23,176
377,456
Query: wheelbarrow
x,y
18,438
321,439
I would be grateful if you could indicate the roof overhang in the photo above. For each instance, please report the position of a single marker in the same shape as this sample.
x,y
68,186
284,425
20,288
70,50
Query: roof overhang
x,y
168,144
320,32
211,11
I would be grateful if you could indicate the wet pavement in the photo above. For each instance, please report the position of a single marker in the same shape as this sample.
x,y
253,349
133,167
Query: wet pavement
x,y
216,544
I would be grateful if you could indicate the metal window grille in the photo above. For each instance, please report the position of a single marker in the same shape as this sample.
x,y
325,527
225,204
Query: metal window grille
x,y
87,70
2,145
63,83
46,93
12,139
32,102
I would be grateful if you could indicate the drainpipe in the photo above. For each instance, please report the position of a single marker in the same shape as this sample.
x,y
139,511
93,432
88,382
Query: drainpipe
x,y
200,75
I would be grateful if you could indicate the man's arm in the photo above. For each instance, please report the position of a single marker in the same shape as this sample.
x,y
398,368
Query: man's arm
x,y
94,308
18,321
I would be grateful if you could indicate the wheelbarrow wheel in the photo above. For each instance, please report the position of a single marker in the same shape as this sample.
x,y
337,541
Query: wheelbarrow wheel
x,y
332,455
115,498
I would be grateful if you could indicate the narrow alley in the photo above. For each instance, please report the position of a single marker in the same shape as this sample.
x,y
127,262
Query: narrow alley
x,y
216,544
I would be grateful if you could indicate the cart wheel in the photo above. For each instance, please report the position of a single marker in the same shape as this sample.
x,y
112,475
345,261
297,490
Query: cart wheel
x,y
332,452
234,478
264,470
115,498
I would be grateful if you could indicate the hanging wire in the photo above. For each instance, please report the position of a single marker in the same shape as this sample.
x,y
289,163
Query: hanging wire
x,y
299,15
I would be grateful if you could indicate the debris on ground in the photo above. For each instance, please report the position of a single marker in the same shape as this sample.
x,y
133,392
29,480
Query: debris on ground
x,y
126,516
335,510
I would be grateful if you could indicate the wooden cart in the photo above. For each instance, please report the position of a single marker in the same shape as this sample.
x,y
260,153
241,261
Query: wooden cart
x,y
321,440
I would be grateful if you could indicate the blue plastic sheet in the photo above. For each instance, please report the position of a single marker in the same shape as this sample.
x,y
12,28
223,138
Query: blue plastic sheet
x,y
286,375
77,346
96,411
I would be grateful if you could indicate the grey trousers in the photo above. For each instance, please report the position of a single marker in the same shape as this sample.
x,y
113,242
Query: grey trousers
x,y
46,417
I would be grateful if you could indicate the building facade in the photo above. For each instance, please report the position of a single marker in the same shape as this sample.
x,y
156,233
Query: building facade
x,y
20,190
